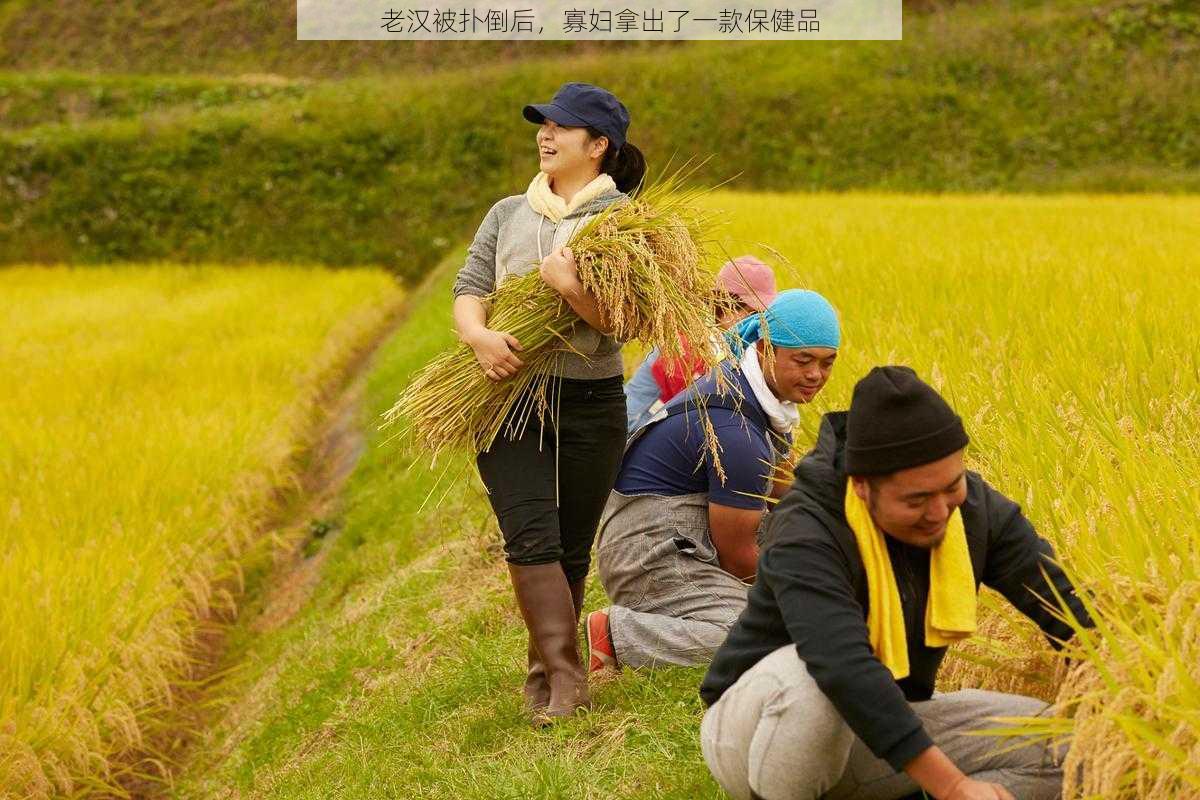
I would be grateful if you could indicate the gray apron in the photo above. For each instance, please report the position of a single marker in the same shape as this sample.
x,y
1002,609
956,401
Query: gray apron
x,y
673,604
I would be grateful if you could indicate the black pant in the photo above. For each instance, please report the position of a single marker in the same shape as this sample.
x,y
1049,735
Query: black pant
x,y
520,476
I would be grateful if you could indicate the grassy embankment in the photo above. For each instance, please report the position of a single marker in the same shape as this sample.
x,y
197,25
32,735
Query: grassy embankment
x,y
229,37
1011,96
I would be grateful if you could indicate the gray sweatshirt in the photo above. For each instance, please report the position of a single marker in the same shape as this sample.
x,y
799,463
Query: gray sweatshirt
x,y
512,240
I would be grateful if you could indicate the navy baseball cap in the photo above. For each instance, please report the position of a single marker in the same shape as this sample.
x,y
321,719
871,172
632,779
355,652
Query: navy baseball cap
x,y
579,105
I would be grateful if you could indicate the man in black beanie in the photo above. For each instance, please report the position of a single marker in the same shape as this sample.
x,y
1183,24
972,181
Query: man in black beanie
x,y
870,566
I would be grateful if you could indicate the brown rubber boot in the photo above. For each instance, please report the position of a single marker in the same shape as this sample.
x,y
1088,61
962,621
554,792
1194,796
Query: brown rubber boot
x,y
548,607
537,687
577,597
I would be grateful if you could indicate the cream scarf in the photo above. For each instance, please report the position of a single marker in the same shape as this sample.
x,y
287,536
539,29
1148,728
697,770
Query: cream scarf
x,y
544,201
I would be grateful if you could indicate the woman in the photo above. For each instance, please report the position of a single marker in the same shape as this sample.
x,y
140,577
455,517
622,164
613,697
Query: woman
x,y
744,285
549,487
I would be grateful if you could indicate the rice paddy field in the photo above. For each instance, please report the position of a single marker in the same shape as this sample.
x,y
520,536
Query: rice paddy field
x,y
222,577
1061,327
150,424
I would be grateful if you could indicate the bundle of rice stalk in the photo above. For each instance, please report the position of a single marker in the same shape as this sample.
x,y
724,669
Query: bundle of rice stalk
x,y
643,262
1130,704
1125,716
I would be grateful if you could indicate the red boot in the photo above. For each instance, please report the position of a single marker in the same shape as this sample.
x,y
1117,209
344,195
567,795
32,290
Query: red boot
x,y
601,653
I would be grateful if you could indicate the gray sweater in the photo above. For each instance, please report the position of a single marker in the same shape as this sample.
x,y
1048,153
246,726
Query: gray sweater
x,y
512,240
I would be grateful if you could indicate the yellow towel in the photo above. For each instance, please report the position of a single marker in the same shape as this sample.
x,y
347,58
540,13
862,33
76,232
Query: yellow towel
x,y
950,612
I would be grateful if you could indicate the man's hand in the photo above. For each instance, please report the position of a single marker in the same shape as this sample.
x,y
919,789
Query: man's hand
x,y
934,772
494,352
968,789
561,273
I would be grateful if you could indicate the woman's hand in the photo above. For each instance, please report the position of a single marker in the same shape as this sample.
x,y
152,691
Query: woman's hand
x,y
494,352
561,273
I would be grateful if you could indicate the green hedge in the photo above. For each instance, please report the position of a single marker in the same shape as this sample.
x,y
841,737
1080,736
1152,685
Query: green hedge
x,y
29,99
230,37
392,170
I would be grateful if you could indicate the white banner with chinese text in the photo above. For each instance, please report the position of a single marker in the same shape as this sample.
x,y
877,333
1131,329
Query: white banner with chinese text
x,y
552,19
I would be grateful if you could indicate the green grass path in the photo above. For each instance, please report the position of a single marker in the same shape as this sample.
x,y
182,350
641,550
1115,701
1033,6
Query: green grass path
x,y
401,676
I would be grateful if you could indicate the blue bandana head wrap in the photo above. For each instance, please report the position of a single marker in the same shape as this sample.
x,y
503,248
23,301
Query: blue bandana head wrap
x,y
796,318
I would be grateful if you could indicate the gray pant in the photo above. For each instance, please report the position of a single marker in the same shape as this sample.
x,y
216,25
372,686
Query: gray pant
x,y
776,733
673,604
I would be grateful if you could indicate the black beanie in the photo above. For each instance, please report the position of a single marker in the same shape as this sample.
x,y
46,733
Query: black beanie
x,y
898,421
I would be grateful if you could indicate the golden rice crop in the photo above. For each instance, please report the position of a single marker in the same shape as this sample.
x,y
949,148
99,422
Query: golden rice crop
x,y
148,418
1062,328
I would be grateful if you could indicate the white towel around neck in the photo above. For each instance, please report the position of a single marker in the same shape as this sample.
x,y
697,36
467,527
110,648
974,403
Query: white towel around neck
x,y
783,414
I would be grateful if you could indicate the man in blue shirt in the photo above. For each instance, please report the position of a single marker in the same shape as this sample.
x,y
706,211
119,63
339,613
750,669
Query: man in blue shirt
x,y
676,547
